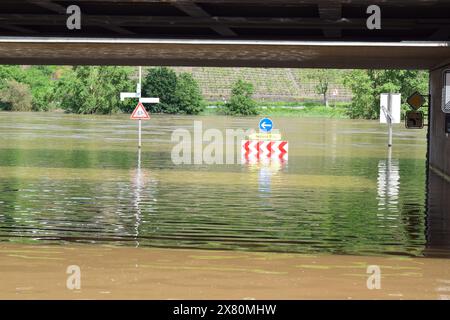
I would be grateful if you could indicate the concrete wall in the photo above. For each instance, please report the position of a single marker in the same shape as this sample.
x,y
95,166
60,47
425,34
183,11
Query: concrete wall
x,y
439,149
438,195
438,216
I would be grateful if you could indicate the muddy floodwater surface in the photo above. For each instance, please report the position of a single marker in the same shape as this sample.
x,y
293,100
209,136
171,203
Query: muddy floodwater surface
x,y
78,184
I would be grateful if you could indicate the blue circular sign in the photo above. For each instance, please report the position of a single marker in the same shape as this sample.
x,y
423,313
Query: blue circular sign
x,y
266,125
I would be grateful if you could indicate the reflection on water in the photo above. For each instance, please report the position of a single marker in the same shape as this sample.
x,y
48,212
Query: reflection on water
x,y
267,169
80,179
137,188
388,184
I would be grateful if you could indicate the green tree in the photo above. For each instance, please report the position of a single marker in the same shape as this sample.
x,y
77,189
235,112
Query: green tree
x,y
324,79
38,78
42,84
367,86
9,73
15,96
364,97
162,83
241,101
189,97
91,90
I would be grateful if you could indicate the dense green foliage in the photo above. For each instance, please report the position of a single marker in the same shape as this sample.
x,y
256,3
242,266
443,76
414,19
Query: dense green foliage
x,y
15,96
367,85
90,90
96,90
241,101
188,95
8,73
178,94
38,78
161,83
42,83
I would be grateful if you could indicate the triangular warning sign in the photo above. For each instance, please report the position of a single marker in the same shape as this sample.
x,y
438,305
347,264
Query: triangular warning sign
x,y
140,113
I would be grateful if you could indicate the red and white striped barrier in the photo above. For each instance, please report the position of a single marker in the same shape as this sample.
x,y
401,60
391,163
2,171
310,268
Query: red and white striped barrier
x,y
265,149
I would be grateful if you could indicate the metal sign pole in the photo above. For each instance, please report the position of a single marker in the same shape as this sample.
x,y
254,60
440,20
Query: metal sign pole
x,y
390,119
140,95
140,134
390,135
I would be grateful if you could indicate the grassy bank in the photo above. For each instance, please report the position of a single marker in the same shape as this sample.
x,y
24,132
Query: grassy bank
x,y
280,109
295,109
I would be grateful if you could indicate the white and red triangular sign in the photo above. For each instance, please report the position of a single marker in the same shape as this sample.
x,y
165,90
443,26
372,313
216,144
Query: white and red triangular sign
x,y
140,113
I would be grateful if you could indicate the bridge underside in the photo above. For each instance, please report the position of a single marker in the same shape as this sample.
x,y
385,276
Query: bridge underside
x,y
223,53
308,20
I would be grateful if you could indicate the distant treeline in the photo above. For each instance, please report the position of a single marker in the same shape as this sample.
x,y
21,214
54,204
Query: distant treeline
x,y
95,89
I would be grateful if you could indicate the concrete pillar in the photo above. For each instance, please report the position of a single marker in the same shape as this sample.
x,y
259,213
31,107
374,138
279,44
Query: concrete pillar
x,y
438,195
438,216
439,149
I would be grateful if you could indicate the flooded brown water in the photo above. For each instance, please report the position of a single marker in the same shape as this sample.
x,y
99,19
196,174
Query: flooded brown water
x,y
68,178
73,191
39,272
